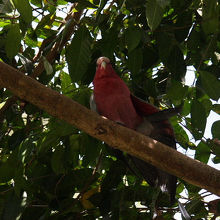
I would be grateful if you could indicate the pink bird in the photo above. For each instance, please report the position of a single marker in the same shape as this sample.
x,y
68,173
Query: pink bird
x,y
113,99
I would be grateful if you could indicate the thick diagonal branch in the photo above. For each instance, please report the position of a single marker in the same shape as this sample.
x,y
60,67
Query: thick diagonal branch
x,y
117,136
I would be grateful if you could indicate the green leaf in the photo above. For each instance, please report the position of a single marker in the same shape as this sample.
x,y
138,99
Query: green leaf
x,y
133,37
78,54
186,108
176,63
198,119
154,12
13,207
194,40
183,19
6,172
171,55
8,168
20,183
49,141
165,43
135,60
216,129
216,160
202,152
46,20
74,150
113,177
26,150
60,128
150,56
210,84
207,105
57,160
177,91
109,42
24,8
196,207
16,138
85,4
82,176
37,3
13,41
210,16
91,148
66,84
181,136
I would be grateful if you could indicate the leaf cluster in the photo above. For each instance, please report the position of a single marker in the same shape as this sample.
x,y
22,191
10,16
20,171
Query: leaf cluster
x,y
51,170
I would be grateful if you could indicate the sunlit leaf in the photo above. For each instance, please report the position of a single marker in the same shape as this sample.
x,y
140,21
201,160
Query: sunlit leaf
x,y
202,152
181,136
216,160
13,43
37,3
24,8
66,84
186,108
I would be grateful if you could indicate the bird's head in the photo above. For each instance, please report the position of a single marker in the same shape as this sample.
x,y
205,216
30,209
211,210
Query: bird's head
x,y
104,68
102,62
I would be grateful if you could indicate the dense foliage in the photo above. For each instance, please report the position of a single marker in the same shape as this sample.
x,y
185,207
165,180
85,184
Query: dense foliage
x,y
51,170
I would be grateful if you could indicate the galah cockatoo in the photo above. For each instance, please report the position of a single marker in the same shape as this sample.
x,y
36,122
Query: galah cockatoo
x,y
113,100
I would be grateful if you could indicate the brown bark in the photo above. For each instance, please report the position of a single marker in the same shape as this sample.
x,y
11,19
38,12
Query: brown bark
x,y
117,136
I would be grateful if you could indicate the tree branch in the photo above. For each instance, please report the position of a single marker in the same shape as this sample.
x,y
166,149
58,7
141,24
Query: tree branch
x,y
117,136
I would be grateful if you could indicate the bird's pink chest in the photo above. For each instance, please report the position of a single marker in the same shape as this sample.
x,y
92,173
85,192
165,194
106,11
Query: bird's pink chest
x,y
113,101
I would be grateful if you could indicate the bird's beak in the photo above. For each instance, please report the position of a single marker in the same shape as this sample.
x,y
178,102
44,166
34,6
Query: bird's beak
x,y
103,64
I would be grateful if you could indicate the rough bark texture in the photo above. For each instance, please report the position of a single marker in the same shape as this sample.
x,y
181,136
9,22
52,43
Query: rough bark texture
x,y
117,136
